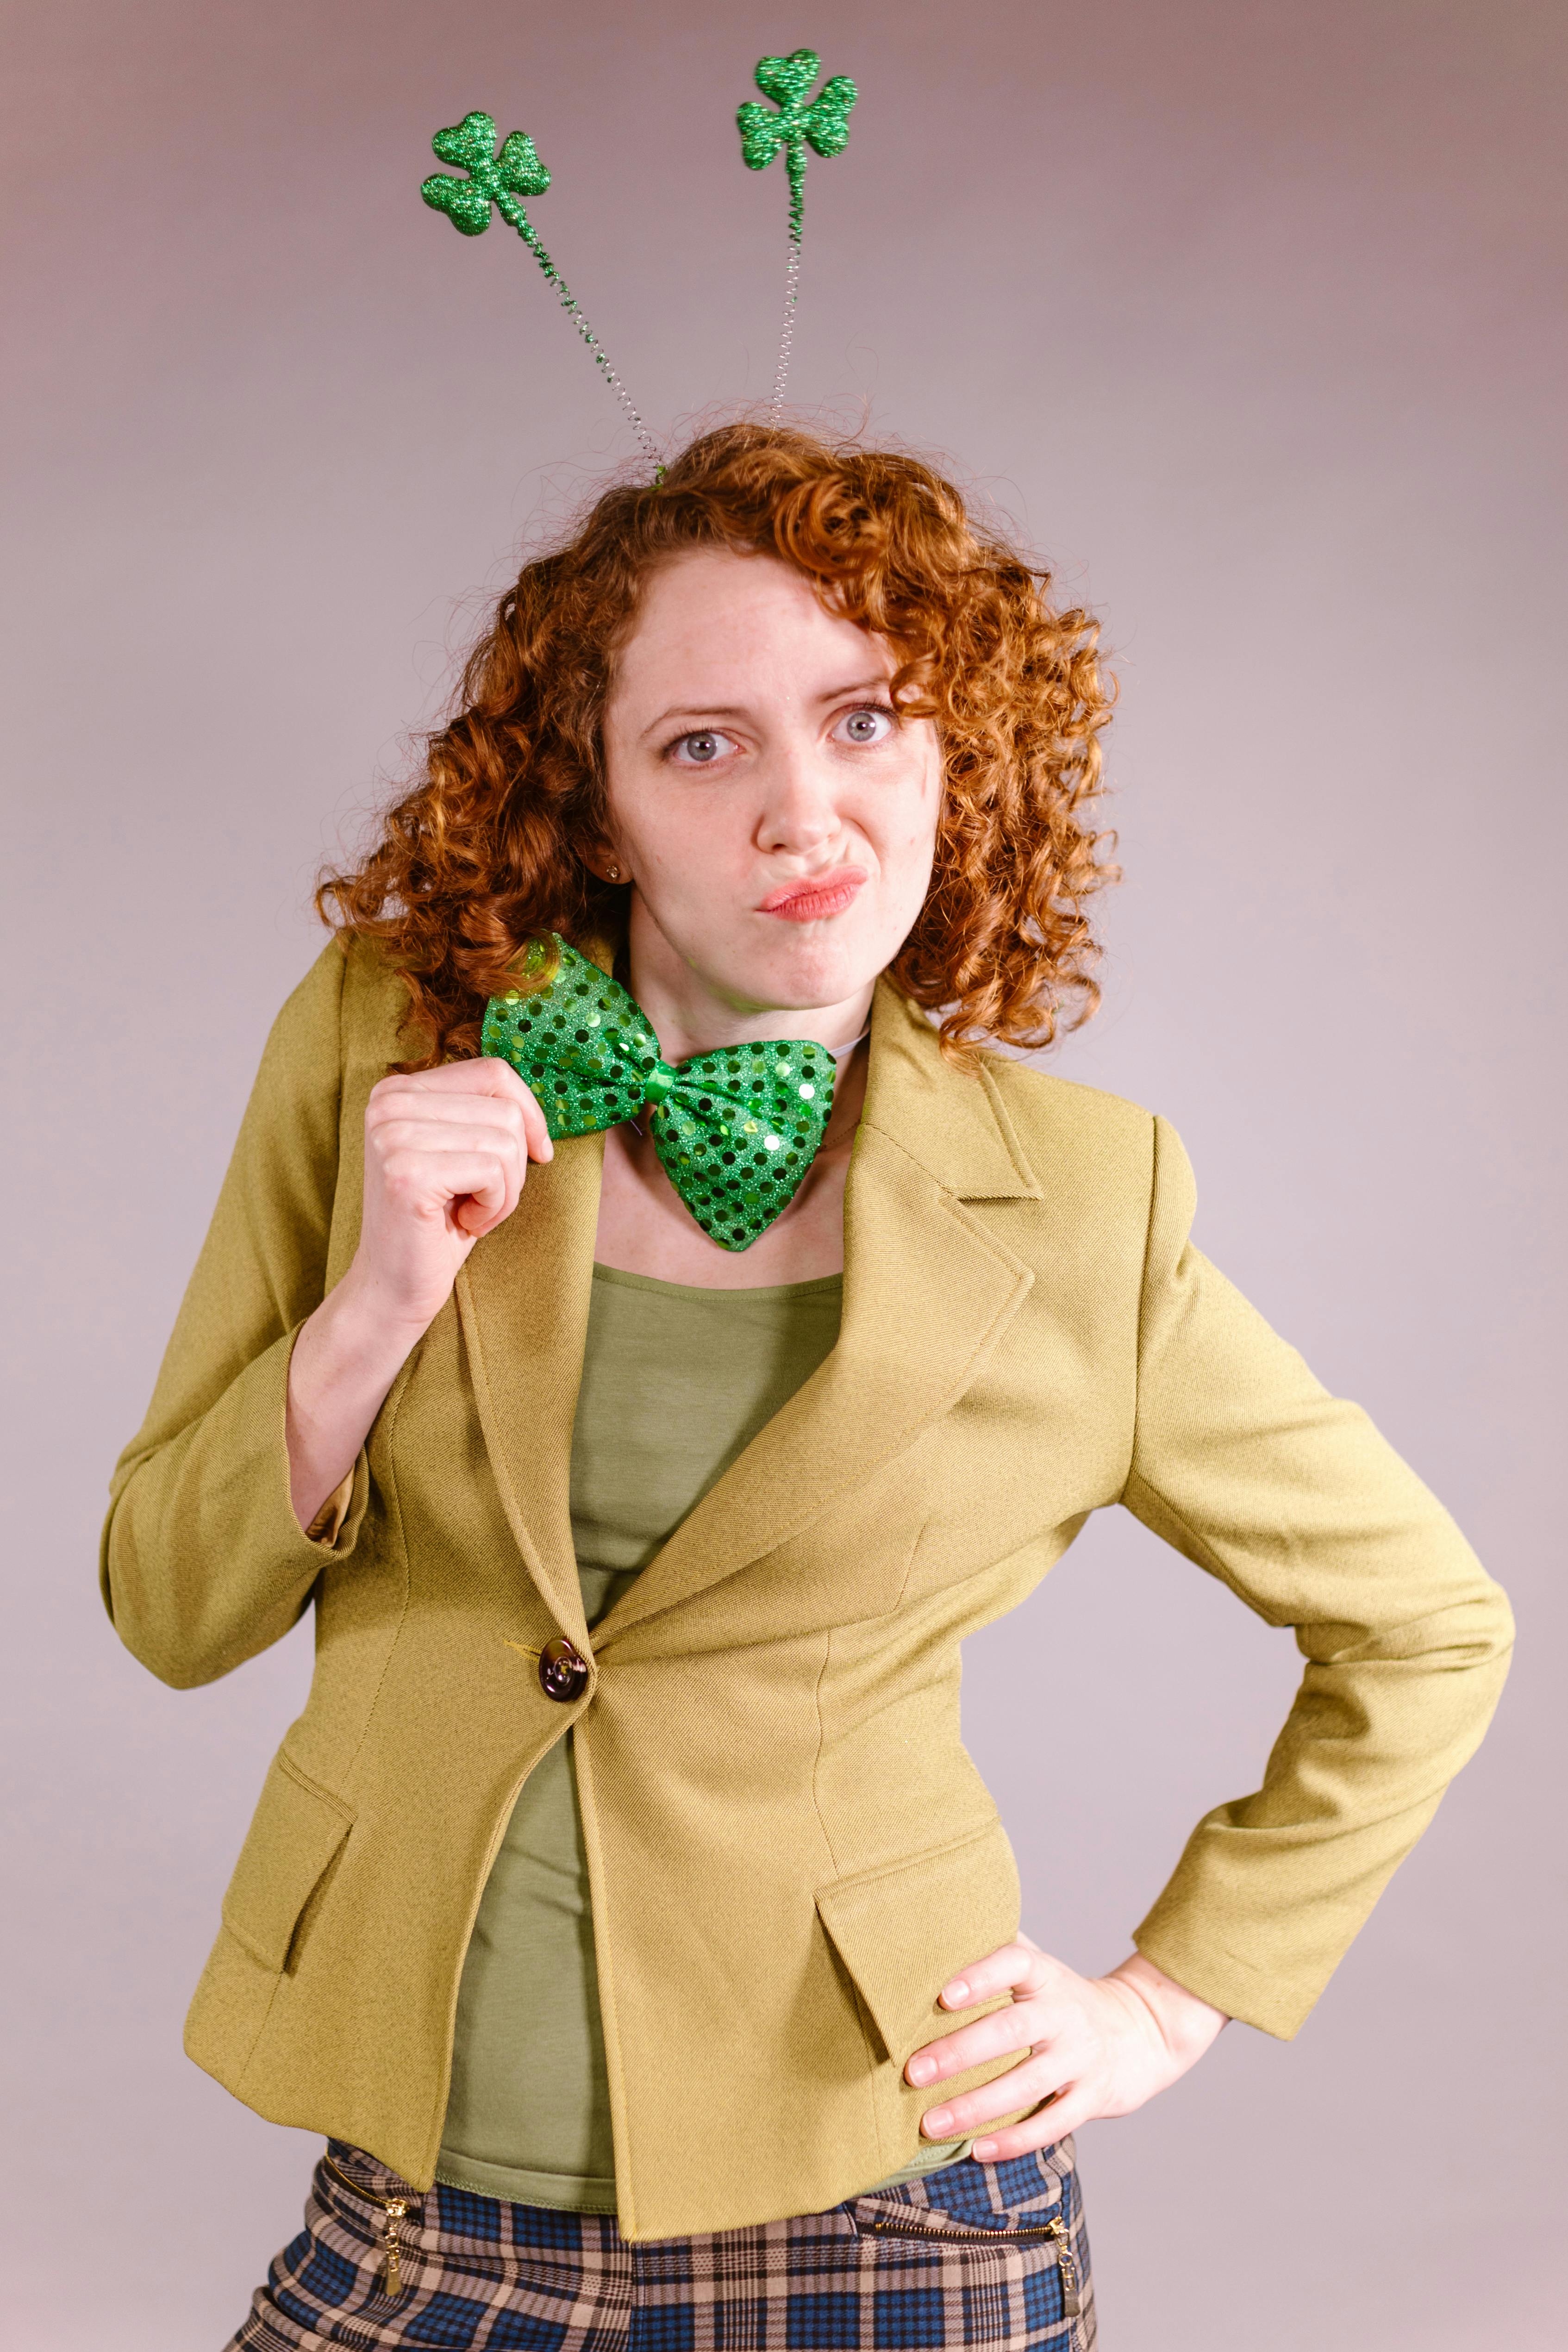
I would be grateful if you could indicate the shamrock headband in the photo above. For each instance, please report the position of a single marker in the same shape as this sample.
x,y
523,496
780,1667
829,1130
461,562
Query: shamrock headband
x,y
501,176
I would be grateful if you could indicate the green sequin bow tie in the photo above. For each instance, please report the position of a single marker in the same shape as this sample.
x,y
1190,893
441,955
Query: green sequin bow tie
x,y
735,1130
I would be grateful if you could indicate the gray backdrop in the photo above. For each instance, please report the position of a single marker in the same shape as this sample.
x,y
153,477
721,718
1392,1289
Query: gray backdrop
x,y
1250,317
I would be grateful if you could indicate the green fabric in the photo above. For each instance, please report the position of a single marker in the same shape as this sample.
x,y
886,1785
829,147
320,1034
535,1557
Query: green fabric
x,y
736,1129
676,1382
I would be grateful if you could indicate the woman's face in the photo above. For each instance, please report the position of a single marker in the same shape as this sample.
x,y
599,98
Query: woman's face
x,y
776,821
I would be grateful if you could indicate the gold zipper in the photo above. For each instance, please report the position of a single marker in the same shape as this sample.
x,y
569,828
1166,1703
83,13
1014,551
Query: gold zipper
x,y
396,2209
1056,2228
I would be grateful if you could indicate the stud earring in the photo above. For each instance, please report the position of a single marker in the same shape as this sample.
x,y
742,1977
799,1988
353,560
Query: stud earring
x,y
613,873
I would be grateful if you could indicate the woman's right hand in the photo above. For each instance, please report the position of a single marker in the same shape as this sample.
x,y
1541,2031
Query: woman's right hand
x,y
446,1155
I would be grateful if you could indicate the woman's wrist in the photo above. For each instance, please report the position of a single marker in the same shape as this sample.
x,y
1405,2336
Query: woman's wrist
x,y
344,1361
1187,2024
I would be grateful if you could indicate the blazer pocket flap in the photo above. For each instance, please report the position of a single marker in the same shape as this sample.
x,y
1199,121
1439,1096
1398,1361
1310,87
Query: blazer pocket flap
x,y
296,1830
904,1930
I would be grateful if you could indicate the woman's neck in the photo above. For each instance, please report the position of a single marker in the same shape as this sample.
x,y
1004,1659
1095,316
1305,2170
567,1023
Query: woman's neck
x,y
690,1016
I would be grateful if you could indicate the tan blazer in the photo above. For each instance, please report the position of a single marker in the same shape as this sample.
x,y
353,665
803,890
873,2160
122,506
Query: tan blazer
x,y
790,1850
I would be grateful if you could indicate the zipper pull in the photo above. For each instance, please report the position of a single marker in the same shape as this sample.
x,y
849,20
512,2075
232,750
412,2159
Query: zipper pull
x,y
1072,2303
392,2279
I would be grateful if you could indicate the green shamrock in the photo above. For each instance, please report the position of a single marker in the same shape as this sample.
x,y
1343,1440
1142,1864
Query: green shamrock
x,y
496,178
824,123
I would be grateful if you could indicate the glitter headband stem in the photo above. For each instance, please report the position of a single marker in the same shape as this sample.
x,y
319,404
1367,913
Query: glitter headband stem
x,y
512,213
796,161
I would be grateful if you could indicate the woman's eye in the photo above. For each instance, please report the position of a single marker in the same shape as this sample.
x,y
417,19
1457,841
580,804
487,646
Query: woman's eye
x,y
869,725
700,750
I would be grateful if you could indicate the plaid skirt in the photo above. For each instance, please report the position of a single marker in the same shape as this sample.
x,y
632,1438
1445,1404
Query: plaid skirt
x,y
973,2254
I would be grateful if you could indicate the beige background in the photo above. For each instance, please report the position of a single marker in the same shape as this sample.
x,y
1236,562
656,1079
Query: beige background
x,y
1252,318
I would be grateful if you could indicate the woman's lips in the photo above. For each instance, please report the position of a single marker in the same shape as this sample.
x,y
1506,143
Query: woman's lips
x,y
809,902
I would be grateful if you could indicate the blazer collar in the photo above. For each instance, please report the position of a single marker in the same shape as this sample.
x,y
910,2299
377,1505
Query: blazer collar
x,y
949,1118
523,1299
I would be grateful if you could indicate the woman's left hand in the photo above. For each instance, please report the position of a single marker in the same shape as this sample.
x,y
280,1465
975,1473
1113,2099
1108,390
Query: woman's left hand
x,y
1094,2046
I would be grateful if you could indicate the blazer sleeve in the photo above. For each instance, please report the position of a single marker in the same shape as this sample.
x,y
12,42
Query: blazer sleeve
x,y
203,1563
1246,1465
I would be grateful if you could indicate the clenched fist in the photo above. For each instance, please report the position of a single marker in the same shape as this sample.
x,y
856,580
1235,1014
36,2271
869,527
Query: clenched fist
x,y
446,1155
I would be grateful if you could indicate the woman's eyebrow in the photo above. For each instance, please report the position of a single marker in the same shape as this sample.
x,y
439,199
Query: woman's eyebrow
x,y
700,713
881,683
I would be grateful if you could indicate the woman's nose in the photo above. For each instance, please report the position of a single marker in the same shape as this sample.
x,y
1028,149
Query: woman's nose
x,y
799,810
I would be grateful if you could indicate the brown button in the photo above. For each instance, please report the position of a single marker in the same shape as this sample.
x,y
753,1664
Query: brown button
x,y
562,1671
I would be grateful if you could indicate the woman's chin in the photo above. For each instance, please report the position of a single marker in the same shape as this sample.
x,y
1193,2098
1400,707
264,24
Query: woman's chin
x,y
757,964
814,965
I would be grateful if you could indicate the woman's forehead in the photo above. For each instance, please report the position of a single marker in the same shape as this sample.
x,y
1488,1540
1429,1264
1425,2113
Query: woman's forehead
x,y
711,616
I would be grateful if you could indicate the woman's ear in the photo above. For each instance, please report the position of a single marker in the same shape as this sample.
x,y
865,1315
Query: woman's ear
x,y
601,859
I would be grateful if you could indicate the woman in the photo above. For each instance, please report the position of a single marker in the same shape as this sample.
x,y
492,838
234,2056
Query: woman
x,y
624,1908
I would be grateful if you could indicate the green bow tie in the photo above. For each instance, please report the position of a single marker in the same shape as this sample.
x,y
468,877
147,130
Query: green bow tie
x,y
735,1130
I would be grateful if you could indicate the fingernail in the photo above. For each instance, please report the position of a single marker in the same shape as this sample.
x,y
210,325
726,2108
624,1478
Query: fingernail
x,y
920,2070
938,2123
956,1991
983,2150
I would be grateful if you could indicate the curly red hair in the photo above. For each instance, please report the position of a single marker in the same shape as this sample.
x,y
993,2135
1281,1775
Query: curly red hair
x,y
484,853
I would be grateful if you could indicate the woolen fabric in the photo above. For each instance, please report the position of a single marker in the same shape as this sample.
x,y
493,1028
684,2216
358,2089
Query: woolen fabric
x,y
790,1850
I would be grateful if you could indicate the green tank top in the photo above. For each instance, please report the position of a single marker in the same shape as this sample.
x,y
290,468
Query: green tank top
x,y
676,1384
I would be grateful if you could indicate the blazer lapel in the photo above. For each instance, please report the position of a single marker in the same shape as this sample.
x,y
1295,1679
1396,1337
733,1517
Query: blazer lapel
x,y
927,1293
523,1297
